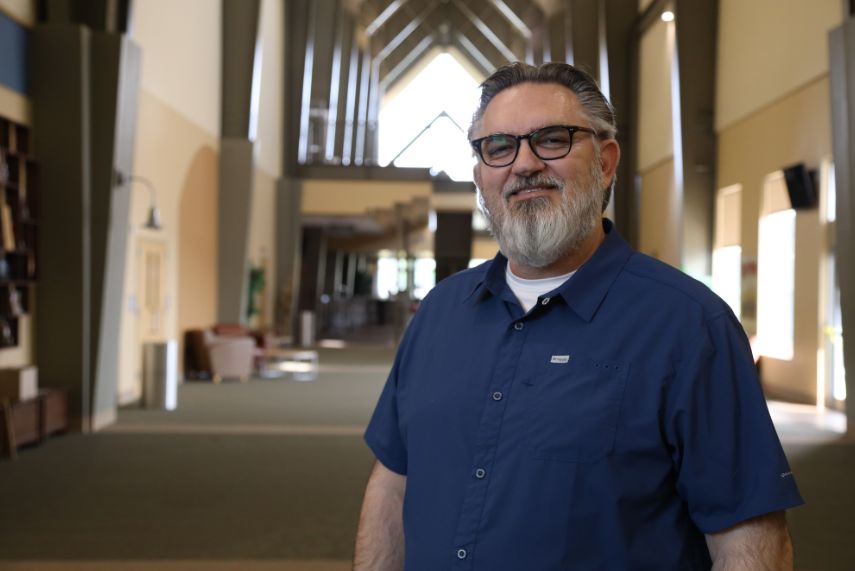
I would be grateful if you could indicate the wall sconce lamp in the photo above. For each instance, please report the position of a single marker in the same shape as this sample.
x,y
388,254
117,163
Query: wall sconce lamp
x,y
152,221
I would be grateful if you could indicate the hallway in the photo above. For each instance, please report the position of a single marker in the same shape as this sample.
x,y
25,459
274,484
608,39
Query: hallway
x,y
269,475
241,476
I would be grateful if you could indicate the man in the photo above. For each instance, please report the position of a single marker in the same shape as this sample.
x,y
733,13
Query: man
x,y
571,404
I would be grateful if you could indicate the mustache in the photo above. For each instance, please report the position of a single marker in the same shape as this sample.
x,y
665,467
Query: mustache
x,y
527,183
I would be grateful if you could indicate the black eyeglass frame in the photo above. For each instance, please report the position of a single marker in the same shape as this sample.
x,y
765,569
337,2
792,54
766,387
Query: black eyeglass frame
x,y
572,130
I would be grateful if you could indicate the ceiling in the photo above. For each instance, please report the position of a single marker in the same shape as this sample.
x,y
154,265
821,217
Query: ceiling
x,y
347,54
486,32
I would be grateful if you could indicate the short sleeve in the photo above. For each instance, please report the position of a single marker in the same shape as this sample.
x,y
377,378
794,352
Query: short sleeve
x,y
729,461
383,435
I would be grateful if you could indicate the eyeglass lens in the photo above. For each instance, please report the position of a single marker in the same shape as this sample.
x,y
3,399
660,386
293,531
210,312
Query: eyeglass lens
x,y
547,143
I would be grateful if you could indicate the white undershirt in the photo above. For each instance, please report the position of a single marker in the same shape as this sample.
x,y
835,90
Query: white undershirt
x,y
527,291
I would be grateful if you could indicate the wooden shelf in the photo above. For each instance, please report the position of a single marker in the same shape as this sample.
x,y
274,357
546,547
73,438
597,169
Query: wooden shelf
x,y
19,178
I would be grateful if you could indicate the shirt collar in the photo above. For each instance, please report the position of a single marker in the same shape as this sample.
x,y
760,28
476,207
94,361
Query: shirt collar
x,y
584,292
493,282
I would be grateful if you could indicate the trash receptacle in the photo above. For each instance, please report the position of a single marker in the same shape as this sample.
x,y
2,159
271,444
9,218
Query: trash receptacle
x,y
160,375
307,328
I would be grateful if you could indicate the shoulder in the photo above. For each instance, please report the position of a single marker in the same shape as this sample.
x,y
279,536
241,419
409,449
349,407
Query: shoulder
x,y
670,288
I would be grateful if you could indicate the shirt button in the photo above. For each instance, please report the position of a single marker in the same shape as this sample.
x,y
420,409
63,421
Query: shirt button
x,y
544,301
480,473
497,396
518,325
461,554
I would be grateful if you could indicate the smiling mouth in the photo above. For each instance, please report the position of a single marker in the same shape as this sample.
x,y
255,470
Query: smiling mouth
x,y
523,193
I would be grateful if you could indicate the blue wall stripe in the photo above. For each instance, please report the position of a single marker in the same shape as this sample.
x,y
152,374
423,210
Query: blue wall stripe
x,y
14,40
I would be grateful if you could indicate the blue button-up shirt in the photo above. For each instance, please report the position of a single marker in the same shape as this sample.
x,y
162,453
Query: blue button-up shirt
x,y
610,427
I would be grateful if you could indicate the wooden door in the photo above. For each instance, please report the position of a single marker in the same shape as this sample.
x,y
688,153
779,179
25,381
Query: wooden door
x,y
151,288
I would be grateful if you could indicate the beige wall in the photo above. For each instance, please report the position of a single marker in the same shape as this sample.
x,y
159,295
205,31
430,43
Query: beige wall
x,y
659,234
453,202
268,157
654,140
198,239
180,159
181,56
772,110
22,354
796,128
767,50
262,241
22,11
659,204
484,248
334,197
15,106
177,149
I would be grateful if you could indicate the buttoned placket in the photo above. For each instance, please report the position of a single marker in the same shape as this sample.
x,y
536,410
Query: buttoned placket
x,y
485,446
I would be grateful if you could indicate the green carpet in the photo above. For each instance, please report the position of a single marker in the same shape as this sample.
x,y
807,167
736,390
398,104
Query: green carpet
x,y
274,470
239,485
823,529
137,496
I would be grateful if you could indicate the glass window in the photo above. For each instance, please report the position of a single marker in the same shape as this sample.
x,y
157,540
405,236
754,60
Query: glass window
x,y
424,124
424,277
776,284
387,277
831,195
727,250
727,276
834,336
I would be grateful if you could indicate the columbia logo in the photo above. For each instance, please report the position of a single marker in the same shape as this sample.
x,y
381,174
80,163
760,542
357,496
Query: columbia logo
x,y
560,359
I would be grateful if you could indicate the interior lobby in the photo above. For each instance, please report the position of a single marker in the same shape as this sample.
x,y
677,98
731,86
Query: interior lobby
x,y
218,217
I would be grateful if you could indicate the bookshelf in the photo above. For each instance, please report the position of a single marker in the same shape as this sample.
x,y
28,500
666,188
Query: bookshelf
x,y
19,177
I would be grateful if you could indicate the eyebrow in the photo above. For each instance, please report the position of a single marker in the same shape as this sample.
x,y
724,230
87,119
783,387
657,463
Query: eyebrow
x,y
543,126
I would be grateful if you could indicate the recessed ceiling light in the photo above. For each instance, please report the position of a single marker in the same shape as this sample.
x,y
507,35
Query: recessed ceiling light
x,y
667,16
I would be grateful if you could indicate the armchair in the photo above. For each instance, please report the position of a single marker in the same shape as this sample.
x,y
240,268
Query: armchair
x,y
215,356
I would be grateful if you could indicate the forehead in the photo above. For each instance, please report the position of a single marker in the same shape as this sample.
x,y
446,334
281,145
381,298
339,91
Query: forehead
x,y
528,106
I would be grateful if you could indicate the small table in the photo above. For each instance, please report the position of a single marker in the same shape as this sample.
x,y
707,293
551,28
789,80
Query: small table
x,y
300,364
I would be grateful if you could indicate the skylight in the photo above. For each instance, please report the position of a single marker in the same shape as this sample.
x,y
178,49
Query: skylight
x,y
425,124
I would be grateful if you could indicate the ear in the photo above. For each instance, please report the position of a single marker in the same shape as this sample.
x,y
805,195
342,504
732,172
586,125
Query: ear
x,y
476,173
609,159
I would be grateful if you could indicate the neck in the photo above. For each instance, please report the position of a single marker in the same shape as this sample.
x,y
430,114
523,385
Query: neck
x,y
567,263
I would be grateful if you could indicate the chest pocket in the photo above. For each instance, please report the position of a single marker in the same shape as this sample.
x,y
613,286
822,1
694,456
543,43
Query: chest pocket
x,y
575,409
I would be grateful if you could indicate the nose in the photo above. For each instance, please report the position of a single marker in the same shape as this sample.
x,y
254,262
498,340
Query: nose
x,y
526,162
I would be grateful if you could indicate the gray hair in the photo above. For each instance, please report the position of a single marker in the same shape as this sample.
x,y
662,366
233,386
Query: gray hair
x,y
597,107
598,110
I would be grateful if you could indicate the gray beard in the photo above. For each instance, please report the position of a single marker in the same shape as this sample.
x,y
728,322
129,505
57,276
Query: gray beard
x,y
535,234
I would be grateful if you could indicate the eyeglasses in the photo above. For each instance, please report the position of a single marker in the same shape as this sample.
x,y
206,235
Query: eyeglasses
x,y
547,143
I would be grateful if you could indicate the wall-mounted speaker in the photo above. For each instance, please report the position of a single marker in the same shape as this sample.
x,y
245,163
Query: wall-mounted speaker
x,y
801,186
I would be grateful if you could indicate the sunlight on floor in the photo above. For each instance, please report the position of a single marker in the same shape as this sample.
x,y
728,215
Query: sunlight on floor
x,y
798,423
